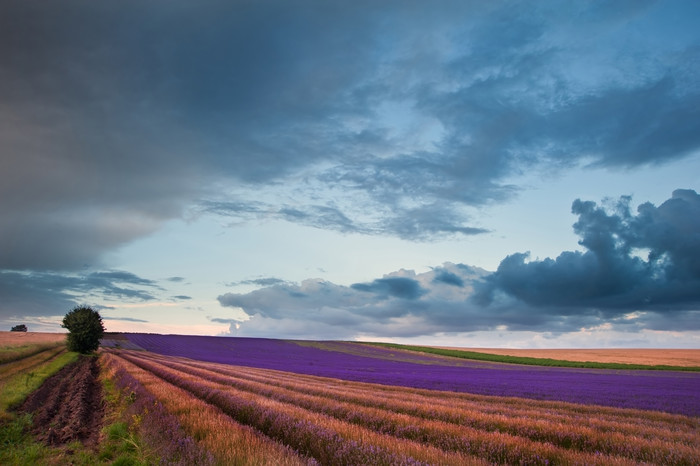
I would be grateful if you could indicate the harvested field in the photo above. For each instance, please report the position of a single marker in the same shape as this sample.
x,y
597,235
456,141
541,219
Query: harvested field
x,y
68,406
670,357
30,338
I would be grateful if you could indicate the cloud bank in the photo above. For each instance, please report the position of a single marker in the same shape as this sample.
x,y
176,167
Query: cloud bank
x,y
389,118
635,271
400,119
51,294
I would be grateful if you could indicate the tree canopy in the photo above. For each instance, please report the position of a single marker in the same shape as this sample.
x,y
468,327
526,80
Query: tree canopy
x,y
85,327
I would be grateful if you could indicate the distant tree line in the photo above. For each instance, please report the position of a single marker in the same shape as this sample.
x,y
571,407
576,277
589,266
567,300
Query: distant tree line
x,y
19,328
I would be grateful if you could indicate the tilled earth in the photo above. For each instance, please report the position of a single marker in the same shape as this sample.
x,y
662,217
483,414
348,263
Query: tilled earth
x,y
68,406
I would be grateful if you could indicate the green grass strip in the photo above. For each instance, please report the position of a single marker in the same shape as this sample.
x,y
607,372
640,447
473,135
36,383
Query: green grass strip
x,y
16,352
474,355
17,388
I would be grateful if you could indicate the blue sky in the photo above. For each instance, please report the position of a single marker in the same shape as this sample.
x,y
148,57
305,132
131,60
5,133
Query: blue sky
x,y
460,173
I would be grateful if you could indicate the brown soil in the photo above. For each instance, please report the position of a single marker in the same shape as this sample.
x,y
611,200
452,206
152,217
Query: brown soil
x,y
670,357
68,406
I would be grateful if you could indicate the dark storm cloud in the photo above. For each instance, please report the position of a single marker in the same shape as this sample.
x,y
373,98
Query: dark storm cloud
x,y
644,262
47,293
34,294
367,117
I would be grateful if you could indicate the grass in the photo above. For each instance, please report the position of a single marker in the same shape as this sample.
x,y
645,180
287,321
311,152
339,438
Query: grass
x,y
19,345
121,444
26,367
17,447
16,352
478,356
16,388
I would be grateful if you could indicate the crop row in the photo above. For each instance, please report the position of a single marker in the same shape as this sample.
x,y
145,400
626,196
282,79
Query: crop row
x,y
325,439
339,422
20,377
591,429
226,440
29,362
22,351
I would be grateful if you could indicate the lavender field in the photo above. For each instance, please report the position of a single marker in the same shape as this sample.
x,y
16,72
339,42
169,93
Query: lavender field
x,y
667,391
260,401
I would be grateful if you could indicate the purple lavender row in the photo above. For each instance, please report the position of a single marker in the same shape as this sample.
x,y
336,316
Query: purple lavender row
x,y
324,445
159,429
498,452
672,392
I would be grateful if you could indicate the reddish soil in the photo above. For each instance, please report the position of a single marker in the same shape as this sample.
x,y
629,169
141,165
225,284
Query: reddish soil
x,y
68,406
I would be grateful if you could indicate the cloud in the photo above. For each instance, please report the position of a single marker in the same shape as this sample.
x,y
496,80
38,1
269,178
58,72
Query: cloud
x,y
447,277
225,321
375,118
402,303
397,287
643,262
49,293
124,319
638,272
266,281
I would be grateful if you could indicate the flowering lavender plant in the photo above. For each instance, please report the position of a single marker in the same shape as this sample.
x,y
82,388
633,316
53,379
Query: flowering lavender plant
x,y
673,392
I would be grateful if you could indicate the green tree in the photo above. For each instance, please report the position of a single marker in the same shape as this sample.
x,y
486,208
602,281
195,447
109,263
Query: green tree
x,y
86,329
19,328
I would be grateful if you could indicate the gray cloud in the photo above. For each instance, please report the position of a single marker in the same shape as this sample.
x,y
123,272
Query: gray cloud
x,y
266,281
402,304
376,118
225,321
397,287
636,271
125,319
643,262
447,277
49,293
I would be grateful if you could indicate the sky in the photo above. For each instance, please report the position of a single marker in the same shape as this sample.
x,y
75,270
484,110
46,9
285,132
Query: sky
x,y
461,173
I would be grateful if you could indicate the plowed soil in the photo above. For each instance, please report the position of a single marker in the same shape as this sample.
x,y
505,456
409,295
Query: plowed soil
x,y
68,406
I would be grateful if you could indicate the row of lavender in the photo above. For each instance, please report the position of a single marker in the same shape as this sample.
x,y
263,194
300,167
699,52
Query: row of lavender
x,y
332,421
159,430
673,392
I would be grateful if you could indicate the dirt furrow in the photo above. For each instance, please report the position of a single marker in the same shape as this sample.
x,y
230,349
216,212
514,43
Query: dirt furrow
x,y
68,406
